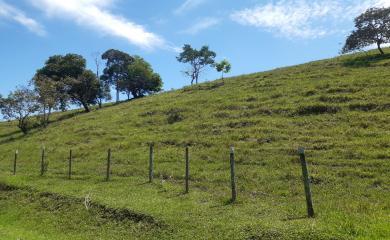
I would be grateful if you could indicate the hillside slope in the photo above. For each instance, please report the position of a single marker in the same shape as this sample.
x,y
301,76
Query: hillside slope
x,y
338,109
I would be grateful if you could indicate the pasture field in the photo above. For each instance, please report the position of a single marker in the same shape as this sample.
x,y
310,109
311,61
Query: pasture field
x,y
338,109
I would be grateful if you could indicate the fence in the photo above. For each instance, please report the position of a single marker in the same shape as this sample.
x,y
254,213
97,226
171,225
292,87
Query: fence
x,y
186,169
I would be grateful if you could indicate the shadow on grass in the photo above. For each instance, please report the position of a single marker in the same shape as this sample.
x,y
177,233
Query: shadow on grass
x,y
9,134
36,127
293,218
365,60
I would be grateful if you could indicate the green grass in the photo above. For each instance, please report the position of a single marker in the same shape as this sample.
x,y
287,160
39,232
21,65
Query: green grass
x,y
338,109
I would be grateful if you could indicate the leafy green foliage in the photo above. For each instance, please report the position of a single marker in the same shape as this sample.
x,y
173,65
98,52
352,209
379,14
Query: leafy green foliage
x,y
140,79
198,60
49,94
20,105
372,27
84,89
115,71
223,67
65,78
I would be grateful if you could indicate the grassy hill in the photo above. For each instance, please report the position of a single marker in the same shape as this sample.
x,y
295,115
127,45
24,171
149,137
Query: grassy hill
x,y
338,109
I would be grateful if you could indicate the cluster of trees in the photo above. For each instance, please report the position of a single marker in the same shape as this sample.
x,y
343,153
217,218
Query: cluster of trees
x,y
65,80
199,60
372,27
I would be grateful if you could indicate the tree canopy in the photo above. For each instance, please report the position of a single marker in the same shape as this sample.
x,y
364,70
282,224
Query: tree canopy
x,y
84,89
20,105
140,79
198,60
372,27
223,67
65,79
117,63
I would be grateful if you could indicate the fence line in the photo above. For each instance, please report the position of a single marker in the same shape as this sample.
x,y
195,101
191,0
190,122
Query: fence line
x,y
233,178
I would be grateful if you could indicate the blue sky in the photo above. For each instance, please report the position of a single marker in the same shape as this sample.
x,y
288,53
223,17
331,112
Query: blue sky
x,y
254,35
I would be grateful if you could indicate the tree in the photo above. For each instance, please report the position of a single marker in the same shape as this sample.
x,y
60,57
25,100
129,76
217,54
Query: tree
x,y
198,60
20,105
104,89
140,79
223,67
117,63
58,68
84,89
372,27
48,96
71,80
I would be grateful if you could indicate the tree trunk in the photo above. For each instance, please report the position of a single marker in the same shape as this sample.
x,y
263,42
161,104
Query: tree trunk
x,y
379,48
23,125
86,107
48,115
117,93
44,122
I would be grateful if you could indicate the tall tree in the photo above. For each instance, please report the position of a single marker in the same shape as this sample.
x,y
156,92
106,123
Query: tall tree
x,y
84,89
140,79
48,96
104,89
372,27
223,67
72,80
57,68
20,105
117,63
198,60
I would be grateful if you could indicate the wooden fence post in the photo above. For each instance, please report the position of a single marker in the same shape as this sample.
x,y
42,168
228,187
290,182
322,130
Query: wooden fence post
x,y
108,164
306,182
151,159
70,164
187,177
43,161
15,159
233,175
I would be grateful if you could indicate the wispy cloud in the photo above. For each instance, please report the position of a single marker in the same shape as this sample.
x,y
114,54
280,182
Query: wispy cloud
x,y
12,13
94,15
188,5
202,24
304,18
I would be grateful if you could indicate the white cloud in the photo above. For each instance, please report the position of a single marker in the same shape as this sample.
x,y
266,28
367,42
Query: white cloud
x,y
93,14
14,14
304,18
201,25
188,5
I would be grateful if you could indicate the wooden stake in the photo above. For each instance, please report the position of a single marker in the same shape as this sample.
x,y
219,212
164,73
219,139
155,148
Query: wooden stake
x,y
306,182
108,165
233,175
187,177
70,164
15,159
151,159
43,161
